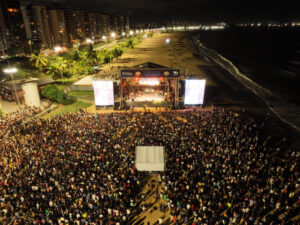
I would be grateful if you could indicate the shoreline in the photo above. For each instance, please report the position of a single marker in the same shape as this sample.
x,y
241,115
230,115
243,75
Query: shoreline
x,y
267,97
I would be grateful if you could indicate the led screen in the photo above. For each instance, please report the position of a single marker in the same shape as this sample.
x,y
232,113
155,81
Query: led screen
x,y
104,93
194,92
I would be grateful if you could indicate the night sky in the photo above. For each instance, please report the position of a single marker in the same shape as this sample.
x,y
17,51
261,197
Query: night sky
x,y
197,10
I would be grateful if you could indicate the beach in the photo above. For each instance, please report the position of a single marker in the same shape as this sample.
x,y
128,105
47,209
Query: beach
x,y
222,89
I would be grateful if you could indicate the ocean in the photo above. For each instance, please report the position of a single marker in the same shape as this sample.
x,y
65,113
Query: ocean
x,y
268,56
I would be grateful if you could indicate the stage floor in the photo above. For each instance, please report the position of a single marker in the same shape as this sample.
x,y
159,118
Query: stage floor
x,y
149,98
146,96
148,103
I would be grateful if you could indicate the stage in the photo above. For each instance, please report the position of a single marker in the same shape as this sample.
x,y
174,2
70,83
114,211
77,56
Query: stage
x,y
149,85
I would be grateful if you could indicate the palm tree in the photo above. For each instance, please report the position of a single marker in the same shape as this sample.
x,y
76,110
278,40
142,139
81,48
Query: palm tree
x,y
60,64
39,60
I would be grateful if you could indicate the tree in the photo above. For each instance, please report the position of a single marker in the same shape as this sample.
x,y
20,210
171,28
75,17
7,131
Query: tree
x,y
129,43
39,60
116,52
107,58
92,56
60,64
53,71
83,47
80,67
53,93
75,56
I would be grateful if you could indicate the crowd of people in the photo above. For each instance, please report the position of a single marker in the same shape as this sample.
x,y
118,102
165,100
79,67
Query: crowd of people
x,y
220,171
79,169
15,118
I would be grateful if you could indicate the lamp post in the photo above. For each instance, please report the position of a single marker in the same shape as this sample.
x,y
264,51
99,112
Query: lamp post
x,y
10,71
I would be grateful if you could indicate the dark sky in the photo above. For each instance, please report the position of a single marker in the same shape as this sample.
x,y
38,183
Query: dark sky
x,y
198,10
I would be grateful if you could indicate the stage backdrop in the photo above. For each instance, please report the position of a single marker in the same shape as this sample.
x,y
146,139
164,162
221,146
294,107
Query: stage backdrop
x,y
194,92
149,158
104,93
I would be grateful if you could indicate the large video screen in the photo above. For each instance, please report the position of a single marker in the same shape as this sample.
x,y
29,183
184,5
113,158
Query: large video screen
x,y
104,93
194,92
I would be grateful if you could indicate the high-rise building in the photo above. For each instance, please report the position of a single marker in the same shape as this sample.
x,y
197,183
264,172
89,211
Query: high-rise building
x,y
11,23
119,24
75,25
69,25
57,26
127,26
92,23
121,27
36,24
4,42
114,24
103,27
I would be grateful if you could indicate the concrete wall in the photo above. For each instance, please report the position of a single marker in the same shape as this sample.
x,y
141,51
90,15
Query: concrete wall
x,y
31,94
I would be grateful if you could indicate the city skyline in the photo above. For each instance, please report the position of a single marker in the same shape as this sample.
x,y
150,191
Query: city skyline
x,y
46,25
196,10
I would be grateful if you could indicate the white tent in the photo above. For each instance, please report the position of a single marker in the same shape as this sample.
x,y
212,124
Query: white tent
x,y
84,84
149,158
86,81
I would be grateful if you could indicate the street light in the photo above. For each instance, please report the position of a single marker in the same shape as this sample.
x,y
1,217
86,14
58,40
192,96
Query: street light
x,y
168,40
89,41
113,34
57,49
131,32
10,71
103,37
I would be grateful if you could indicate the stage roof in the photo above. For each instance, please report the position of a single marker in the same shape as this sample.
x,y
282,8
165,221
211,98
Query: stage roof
x,y
149,65
149,69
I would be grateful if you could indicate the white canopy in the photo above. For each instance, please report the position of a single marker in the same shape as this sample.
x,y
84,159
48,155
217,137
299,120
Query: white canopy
x,y
86,81
149,158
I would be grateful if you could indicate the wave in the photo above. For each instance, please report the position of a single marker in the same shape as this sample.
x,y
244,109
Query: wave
x,y
295,62
287,112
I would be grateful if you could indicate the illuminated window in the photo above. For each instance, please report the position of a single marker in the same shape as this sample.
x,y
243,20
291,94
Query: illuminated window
x,y
13,10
